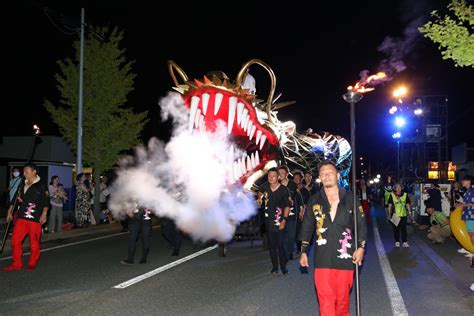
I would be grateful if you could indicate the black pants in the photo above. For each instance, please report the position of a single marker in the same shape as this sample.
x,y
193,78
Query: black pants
x,y
276,245
401,228
170,233
139,227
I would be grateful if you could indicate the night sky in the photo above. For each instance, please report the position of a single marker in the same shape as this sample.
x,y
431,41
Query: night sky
x,y
315,53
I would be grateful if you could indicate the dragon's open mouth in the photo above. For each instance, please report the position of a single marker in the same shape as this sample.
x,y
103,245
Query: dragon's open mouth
x,y
255,145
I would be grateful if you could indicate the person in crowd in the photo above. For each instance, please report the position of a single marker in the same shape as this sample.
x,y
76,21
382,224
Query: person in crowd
x,y
83,205
455,194
434,199
57,197
32,213
305,195
296,208
309,184
13,184
387,191
104,193
440,229
399,208
171,234
275,199
468,212
330,214
364,198
139,225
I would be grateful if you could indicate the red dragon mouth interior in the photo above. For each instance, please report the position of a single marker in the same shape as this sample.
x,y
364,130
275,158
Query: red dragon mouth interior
x,y
209,104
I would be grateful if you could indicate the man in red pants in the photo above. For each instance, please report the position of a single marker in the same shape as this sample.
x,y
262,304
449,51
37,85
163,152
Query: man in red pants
x,y
32,213
330,212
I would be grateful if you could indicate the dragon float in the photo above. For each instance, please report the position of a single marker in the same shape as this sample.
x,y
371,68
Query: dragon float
x,y
253,126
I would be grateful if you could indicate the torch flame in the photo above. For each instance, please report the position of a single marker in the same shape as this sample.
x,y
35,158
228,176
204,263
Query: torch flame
x,y
367,85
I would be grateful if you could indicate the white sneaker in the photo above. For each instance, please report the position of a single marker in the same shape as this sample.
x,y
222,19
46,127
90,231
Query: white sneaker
x,y
462,250
397,244
405,245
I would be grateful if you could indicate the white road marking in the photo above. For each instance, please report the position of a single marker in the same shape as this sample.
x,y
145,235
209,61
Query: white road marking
x,y
396,299
163,268
74,243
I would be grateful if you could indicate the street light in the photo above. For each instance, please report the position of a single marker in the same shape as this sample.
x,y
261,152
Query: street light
x,y
400,121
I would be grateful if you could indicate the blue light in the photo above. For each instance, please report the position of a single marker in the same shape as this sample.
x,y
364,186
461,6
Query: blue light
x,y
397,135
400,121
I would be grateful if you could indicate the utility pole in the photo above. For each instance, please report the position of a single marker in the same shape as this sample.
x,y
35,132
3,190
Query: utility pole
x,y
79,111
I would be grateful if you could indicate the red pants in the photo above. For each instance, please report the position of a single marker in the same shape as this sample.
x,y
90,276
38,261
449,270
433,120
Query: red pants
x,y
33,230
333,287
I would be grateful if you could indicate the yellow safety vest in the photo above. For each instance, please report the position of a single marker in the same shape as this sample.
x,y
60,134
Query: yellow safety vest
x,y
400,204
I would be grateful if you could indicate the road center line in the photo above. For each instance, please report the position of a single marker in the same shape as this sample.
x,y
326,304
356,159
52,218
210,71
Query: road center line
x,y
74,243
396,299
163,268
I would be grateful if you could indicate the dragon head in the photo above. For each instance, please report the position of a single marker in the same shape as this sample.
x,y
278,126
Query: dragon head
x,y
216,98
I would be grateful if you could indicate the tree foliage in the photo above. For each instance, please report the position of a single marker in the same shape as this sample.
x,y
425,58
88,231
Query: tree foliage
x,y
109,126
454,33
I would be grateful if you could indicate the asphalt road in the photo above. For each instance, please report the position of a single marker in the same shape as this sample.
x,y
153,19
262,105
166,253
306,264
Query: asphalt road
x,y
79,279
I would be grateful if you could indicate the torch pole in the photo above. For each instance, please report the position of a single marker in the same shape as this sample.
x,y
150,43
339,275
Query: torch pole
x,y
352,98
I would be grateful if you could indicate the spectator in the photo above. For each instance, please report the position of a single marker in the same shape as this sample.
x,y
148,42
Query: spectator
x,y
13,185
440,229
83,205
468,212
434,199
57,197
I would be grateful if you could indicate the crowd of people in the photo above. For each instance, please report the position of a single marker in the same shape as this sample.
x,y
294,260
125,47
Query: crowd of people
x,y
298,214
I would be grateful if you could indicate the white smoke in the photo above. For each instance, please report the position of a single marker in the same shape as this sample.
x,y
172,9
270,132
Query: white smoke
x,y
184,179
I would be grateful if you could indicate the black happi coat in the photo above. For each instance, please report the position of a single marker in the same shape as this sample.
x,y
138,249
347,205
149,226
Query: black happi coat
x,y
334,244
274,204
32,202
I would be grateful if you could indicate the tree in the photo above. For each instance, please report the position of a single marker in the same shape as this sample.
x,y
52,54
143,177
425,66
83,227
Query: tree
x,y
454,34
109,127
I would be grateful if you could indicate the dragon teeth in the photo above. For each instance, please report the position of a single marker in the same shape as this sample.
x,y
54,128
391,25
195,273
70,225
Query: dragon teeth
x,y
259,135
240,111
262,141
192,111
196,119
205,102
231,115
252,131
218,102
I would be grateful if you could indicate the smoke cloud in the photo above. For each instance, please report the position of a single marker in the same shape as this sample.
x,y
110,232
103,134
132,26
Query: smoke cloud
x,y
184,180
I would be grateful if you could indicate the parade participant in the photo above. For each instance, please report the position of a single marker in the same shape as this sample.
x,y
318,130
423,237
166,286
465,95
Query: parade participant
x,y
401,202
330,212
468,211
387,190
296,208
275,199
440,229
305,195
32,212
364,198
309,184
171,234
139,224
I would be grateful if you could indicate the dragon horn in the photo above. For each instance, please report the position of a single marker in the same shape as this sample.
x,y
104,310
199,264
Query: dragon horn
x,y
243,72
171,67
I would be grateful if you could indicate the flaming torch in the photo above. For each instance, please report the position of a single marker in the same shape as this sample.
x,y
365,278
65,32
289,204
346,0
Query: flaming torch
x,y
352,96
